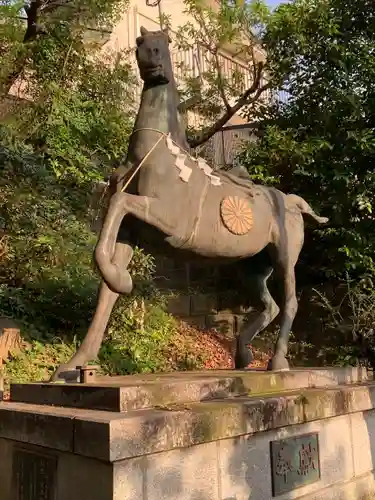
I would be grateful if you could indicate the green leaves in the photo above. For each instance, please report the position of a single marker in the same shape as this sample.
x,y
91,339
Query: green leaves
x,y
224,53
80,101
137,339
54,146
321,142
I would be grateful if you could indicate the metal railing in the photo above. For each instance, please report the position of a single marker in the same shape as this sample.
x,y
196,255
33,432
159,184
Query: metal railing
x,y
221,150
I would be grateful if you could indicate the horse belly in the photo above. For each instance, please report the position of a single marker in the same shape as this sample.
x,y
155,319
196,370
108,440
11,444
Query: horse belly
x,y
212,237
216,241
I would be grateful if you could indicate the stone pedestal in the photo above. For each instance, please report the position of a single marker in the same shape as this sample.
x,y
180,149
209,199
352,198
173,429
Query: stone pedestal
x,y
190,436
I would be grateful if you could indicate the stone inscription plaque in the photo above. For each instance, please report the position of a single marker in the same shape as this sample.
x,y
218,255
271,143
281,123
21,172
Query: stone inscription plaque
x,y
34,475
294,463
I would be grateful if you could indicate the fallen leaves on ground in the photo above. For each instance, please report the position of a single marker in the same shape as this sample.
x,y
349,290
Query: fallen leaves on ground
x,y
207,349
261,359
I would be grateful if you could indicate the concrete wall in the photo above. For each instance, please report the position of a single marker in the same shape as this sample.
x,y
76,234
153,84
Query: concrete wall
x,y
239,469
198,299
229,469
210,439
139,14
76,477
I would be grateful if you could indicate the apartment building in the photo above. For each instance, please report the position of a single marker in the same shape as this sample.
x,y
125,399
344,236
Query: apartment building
x,y
193,62
222,147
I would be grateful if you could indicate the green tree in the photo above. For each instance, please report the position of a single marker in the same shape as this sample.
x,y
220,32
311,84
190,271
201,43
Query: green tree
x,y
64,134
320,143
219,87
76,100
70,124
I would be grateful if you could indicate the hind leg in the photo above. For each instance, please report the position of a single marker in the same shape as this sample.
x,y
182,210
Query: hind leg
x,y
269,313
91,344
287,253
279,361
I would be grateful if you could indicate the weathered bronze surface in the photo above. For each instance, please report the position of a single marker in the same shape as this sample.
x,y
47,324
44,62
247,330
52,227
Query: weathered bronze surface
x,y
294,462
167,202
34,475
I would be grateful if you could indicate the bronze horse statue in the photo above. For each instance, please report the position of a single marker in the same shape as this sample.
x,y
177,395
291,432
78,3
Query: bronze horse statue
x,y
168,202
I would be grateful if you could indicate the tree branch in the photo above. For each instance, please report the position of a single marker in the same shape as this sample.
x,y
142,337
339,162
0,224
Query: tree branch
x,y
190,103
245,99
31,33
33,29
221,82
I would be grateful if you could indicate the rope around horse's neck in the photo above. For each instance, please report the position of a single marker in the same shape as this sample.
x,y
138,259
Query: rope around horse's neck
x,y
160,132
162,136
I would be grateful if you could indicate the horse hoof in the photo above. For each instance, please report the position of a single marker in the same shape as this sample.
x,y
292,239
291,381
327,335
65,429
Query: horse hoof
x,y
65,373
243,359
278,364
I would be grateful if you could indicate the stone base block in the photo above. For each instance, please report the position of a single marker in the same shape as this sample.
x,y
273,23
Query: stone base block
x,y
218,449
123,394
233,469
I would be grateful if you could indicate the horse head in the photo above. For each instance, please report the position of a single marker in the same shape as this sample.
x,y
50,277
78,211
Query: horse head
x,y
154,58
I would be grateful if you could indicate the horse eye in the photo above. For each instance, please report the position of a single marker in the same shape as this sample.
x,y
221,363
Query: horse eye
x,y
139,41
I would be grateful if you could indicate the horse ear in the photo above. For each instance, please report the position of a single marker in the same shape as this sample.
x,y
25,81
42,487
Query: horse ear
x,y
144,31
166,32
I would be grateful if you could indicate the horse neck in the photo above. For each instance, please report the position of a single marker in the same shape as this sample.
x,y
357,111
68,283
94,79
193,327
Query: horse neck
x,y
159,110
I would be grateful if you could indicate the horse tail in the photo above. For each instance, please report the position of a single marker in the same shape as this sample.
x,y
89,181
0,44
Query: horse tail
x,y
305,208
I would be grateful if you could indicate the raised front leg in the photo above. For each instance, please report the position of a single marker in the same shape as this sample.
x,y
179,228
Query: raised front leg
x,y
89,349
149,210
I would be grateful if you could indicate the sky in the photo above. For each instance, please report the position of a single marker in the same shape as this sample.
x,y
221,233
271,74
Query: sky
x,y
274,3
